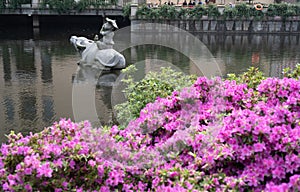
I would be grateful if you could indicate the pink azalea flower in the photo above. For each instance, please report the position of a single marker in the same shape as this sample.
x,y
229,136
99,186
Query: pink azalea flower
x,y
44,170
92,163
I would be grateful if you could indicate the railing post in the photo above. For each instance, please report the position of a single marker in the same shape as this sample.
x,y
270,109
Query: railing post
x,y
133,10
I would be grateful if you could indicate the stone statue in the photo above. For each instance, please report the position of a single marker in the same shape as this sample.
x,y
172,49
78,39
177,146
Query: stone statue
x,y
100,53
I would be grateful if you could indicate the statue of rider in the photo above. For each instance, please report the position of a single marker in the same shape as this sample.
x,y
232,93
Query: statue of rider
x,y
107,31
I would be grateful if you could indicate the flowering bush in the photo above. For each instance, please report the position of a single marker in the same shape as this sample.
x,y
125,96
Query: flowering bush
x,y
216,135
153,85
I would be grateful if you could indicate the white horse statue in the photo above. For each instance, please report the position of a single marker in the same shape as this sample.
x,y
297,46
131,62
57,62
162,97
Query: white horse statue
x,y
99,53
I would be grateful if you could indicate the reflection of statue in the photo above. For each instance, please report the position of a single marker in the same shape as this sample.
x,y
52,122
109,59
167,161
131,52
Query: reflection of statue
x,y
99,53
91,94
95,76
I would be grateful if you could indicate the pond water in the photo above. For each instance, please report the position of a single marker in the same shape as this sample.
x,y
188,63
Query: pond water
x,y
37,75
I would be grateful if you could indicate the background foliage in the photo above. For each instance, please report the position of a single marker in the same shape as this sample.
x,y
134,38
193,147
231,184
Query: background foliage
x,y
239,11
60,6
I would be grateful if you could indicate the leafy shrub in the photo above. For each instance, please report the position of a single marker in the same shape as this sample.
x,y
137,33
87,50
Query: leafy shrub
x,y
82,5
229,12
283,10
183,13
256,14
296,8
252,77
272,11
154,85
112,2
143,11
2,4
126,10
243,11
154,14
167,12
197,12
103,3
170,12
292,10
14,4
66,6
213,11
60,6
295,73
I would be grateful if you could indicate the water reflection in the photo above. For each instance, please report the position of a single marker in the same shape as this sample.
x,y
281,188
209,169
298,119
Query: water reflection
x,y
36,75
270,53
48,109
29,100
9,109
92,93
28,110
7,62
46,66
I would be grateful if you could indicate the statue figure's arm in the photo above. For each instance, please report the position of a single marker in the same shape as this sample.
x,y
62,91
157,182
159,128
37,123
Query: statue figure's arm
x,y
106,29
104,32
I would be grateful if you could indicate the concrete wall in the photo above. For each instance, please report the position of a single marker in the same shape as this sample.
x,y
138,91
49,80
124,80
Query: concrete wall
x,y
227,26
